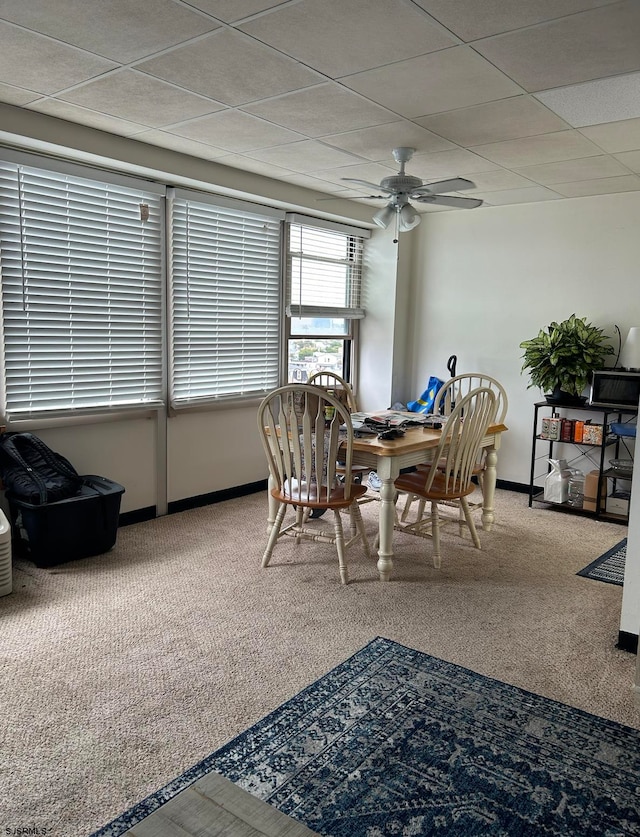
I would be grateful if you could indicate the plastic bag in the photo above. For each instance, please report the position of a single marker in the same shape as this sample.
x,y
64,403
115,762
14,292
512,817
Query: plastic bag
x,y
556,484
424,404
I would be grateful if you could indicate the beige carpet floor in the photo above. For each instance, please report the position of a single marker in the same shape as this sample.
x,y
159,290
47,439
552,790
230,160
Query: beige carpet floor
x,y
121,671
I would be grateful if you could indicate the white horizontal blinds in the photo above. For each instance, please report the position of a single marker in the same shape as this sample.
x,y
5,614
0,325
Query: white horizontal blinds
x,y
225,302
324,273
81,292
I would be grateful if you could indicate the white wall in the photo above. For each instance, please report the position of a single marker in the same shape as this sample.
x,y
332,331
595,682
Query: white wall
x,y
486,279
630,616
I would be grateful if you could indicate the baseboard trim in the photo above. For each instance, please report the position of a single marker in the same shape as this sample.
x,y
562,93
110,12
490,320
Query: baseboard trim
x,y
217,496
520,487
627,642
149,513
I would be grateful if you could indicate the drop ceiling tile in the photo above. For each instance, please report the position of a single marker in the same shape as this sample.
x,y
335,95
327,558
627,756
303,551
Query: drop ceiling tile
x,y
505,119
530,194
140,98
232,10
231,68
363,171
122,30
235,131
447,164
326,109
630,159
377,143
387,31
247,163
38,63
594,102
181,144
493,181
589,45
588,168
469,19
305,157
16,95
310,182
605,186
531,151
615,137
445,80
84,116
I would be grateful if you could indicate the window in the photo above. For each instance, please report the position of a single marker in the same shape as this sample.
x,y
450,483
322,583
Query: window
x,y
324,273
226,300
81,290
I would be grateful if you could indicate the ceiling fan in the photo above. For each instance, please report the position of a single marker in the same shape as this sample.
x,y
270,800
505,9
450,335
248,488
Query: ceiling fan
x,y
401,189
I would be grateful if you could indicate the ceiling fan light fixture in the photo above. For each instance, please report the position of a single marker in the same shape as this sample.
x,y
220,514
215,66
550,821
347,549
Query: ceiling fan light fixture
x,y
408,219
384,216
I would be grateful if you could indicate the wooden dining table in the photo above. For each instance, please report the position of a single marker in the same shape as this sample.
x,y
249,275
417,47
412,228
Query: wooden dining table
x,y
388,456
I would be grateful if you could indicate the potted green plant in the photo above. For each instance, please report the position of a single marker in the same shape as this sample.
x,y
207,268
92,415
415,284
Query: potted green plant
x,y
562,357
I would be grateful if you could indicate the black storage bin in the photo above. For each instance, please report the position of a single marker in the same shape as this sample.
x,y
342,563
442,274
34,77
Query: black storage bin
x,y
83,525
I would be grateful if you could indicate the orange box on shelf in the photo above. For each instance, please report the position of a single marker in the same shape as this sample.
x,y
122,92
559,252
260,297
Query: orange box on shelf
x,y
578,430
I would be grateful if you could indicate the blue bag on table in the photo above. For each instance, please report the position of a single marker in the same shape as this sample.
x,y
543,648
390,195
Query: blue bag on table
x,y
424,404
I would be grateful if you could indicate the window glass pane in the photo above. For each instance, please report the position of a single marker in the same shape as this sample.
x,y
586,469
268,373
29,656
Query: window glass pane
x,y
309,356
319,326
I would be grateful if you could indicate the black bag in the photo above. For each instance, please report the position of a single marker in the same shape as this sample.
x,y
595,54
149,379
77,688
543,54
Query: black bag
x,y
33,472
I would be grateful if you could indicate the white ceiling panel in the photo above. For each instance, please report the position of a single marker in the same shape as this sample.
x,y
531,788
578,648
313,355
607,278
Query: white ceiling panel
x,y
521,97
470,19
588,168
615,136
595,102
235,131
230,67
581,47
122,30
321,110
453,78
140,98
546,148
392,28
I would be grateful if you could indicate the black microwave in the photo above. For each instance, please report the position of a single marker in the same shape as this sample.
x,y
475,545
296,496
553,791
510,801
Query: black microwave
x,y
615,388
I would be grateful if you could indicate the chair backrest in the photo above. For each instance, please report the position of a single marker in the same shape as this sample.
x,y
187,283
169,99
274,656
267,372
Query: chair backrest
x,y
301,443
456,388
462,436
334,383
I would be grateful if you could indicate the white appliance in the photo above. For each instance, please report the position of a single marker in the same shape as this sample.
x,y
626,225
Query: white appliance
x,y
6,581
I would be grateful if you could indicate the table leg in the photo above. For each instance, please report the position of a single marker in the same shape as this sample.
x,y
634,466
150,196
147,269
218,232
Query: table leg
x,y
489,488
386,524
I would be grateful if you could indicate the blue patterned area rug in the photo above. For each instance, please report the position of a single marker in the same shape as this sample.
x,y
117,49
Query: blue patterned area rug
x,y
610,566
395,743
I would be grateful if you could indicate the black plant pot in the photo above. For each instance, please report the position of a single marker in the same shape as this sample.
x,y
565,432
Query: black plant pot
x,y
566,399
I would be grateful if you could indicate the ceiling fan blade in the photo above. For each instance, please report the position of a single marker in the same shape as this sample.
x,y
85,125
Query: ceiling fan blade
x,y
455,184
368,185
450,200
355,198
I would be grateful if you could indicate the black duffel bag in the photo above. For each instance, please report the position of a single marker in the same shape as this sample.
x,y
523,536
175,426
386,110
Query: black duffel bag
x,y
34,473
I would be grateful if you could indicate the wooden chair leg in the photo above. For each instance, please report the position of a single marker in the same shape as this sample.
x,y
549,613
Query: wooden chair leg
x,y
469,518
435,534
357,515
344,577
273,535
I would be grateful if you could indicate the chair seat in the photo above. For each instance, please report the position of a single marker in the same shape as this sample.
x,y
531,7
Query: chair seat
x,y
311,498
414,482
